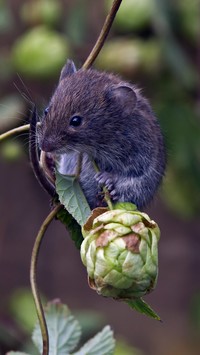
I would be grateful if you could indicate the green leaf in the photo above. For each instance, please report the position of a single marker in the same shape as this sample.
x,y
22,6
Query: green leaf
x,y
64,330
103,343
142,307
16,353
73,227
72,197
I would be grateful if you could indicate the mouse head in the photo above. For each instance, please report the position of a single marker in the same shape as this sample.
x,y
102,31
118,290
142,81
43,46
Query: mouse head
x,y
88,112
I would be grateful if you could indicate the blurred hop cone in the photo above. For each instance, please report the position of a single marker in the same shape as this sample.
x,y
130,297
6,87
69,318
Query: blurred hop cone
x,y
120,252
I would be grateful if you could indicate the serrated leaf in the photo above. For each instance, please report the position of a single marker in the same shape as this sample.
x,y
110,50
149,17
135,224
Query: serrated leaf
x,y
72,197
64,330
142,307
103,343
73,227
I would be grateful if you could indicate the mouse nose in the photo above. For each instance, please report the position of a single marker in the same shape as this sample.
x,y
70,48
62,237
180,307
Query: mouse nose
x,y
48,145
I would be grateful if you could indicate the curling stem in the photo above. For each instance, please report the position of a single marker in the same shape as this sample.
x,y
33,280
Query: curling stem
x,y
33,270
34,158
79,165
13,131
103,34
45,168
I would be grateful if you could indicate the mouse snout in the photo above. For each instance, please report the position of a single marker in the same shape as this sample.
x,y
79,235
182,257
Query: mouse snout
x,y
47,145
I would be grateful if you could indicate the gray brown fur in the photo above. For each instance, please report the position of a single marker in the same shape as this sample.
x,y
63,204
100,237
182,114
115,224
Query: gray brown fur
x,y
119,132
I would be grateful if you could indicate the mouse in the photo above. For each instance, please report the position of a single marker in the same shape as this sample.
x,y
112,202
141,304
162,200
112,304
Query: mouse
x,y
108,122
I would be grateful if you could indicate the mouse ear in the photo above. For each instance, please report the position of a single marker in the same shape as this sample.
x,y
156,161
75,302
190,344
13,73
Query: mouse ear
x,y
68,69
124,96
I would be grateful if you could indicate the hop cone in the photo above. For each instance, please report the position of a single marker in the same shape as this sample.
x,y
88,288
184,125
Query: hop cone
x,y
119,251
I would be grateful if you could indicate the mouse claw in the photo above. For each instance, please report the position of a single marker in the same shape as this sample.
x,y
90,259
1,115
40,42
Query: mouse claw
x,y
105,179
114,195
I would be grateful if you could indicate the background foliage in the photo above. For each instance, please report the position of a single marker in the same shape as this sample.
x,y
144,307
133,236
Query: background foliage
x,y
155,44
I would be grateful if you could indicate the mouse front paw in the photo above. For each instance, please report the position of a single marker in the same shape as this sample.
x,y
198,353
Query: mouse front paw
x,y
106,179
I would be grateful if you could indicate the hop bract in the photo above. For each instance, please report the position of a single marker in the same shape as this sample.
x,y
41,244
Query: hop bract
x,y
120,253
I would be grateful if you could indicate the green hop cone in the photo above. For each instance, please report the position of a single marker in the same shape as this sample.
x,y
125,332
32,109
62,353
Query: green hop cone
x,y
120,252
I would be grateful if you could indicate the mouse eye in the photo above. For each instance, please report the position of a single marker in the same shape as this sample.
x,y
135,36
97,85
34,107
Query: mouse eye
x,y
76,121
46,111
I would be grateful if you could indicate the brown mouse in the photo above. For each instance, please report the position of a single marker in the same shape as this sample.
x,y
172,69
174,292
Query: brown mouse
x,y
110,122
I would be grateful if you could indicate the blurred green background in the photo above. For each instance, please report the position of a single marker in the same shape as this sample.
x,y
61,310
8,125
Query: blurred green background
x,y
156,45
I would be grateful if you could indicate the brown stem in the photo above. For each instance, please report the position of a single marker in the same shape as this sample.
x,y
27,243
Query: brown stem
x,y
34,159
45,167
13,131
103,34
79,165
33,270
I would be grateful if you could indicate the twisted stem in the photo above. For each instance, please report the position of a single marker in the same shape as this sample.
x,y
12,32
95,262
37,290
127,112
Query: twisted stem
x,y
33,271
34,159
13,131
103,34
